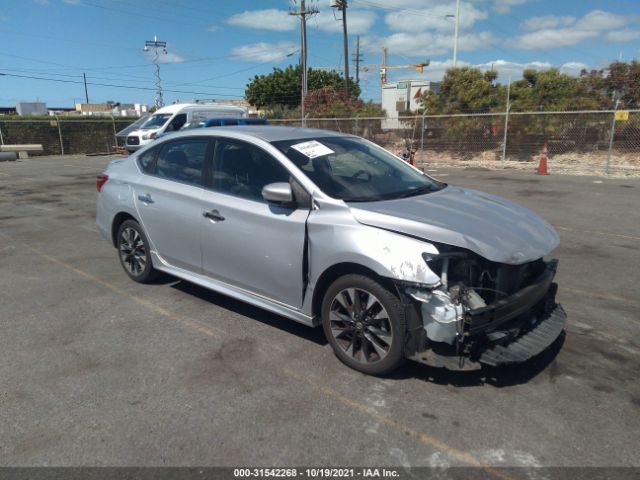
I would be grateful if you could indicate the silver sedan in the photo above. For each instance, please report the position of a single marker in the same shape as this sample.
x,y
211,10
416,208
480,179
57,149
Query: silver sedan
x,y
330,229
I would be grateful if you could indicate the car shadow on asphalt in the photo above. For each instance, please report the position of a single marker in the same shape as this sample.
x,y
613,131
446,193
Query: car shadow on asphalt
x,y
255,313
504,376
499,377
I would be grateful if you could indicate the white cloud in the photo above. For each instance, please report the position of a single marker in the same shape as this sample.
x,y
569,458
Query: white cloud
x,y
434,18
552,38
358,21
425,44
169,57
504,6
547,21
590,26
623,36
214,28
270,19
72,2
263,52
599,20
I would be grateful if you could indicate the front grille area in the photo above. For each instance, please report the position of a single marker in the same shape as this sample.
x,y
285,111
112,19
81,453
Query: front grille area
x,y
133,140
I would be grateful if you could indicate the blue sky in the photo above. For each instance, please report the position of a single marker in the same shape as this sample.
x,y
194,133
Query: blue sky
x,y
215,47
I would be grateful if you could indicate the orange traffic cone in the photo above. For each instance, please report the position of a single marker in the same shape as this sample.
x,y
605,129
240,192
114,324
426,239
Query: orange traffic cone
x,y
542,166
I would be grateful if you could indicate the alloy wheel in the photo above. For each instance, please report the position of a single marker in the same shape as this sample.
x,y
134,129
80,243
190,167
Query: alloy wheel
x,y
132,251
360,325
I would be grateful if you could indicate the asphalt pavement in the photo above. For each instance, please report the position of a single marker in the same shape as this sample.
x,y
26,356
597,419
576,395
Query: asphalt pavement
x,y
98,370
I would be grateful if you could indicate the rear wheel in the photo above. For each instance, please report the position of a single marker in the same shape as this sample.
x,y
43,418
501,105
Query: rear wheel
x,y
364,323
134,252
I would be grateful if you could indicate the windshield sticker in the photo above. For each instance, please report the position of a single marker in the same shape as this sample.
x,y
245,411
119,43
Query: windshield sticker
x,y
312,149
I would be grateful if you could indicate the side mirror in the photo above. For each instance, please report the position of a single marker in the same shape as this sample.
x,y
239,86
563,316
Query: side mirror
x,y
279,192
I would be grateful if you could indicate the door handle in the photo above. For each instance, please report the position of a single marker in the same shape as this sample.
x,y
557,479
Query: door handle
x,y
146,198
213,215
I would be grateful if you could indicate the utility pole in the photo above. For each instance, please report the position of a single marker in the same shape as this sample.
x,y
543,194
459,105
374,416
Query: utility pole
x,y
86,93
455,35
302,13
342,5
156,44
358,58
383,67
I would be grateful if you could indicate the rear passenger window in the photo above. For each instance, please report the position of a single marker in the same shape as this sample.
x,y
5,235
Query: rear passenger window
x,y
182,161
146,159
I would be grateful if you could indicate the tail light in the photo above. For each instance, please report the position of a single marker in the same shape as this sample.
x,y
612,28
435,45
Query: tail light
x,y
100,181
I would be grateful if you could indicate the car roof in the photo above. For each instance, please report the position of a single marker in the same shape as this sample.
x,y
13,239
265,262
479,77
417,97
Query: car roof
x,y
268,133
199,106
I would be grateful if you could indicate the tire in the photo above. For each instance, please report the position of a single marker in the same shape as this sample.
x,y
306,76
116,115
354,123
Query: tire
x,y
134,252
365,324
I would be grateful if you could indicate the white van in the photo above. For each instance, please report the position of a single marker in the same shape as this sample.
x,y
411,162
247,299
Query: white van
x,y
173,117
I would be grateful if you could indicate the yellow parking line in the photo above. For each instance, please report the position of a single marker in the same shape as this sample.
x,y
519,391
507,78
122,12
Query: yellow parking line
x,y
197,326
630,237
440,445
460,455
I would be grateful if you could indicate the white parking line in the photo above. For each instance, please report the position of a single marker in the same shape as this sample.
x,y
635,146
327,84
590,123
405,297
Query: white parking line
x,y
40,207
91,229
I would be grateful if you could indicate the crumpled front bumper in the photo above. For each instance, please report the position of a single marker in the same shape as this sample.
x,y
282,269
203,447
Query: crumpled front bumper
x,y
511,330
527,345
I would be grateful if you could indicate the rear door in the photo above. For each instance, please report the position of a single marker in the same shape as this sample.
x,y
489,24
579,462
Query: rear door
x,y
168,199
246,241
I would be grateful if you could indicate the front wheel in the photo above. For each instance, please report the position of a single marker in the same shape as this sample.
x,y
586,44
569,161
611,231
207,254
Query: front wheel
x,y
365,324
134,252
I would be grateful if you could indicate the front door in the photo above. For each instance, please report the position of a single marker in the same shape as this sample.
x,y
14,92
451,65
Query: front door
x,y
246,241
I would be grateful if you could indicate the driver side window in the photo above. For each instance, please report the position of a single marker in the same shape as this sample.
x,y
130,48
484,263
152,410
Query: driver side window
x,y
242,169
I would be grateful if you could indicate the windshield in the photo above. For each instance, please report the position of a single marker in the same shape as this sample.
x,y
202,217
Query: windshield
x,y
354,170
155,121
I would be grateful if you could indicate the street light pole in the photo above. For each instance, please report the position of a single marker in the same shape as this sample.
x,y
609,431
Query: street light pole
x,y
455,35
155,44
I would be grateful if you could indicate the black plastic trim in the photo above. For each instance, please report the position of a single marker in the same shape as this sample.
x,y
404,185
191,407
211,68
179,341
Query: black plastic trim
x,y
488,318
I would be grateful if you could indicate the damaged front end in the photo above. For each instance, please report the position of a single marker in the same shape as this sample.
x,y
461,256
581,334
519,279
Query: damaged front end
x,y
483,312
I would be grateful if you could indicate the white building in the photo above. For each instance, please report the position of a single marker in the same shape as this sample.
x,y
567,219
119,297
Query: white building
x,y
403,97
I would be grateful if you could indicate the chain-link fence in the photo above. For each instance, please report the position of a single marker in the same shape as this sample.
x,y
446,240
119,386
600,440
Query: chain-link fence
x,y
60,136
583,142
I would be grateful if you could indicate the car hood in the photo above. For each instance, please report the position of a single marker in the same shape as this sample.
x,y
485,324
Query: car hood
x,y
491,226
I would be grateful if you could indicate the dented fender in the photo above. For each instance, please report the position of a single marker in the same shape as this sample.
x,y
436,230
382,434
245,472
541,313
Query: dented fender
x,y
335,237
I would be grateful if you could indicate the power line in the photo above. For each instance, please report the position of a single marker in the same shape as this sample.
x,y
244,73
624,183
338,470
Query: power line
x,y
59,80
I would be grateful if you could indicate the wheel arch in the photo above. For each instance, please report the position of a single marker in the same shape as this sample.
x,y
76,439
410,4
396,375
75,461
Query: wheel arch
x,y
118,220
332,273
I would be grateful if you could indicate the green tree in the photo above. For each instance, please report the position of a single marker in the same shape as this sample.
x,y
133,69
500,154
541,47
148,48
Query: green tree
x,y
466,90
619,81
283,86
330,102
550,90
